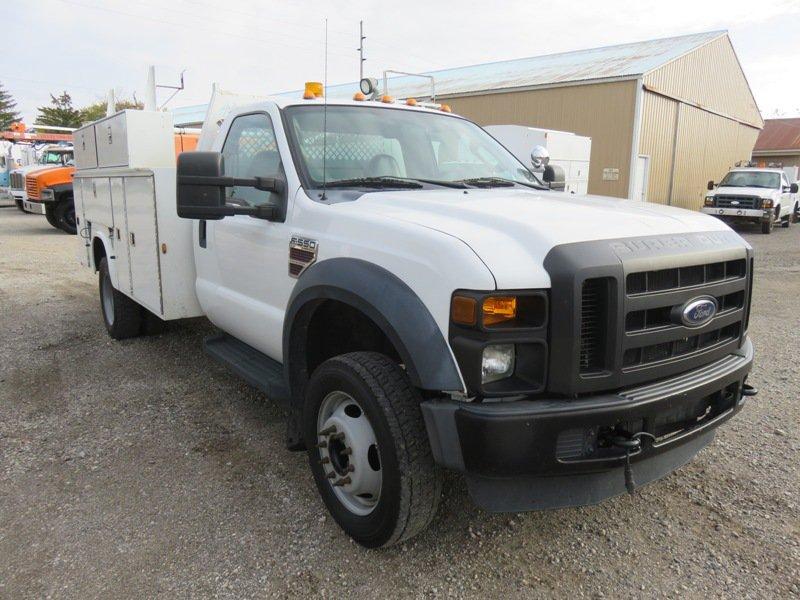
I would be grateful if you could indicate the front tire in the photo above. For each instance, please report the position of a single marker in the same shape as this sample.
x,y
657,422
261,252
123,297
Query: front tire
x,y
121,315
368,449
766,226
50,215
65,215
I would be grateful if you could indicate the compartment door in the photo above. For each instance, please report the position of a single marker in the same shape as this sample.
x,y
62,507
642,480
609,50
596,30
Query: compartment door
x,y
145,268
84,228
120,236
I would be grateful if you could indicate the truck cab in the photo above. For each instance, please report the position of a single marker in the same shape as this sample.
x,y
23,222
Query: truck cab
x,y
49,191
420,301
754,195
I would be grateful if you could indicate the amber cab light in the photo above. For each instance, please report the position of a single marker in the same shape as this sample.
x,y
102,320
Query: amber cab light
x,y
386,99
464,310
498,310
411,102
359,97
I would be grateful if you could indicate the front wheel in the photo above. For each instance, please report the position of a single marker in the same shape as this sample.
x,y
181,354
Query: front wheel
x,y
50,215
368,449
65,215
121,315
766,226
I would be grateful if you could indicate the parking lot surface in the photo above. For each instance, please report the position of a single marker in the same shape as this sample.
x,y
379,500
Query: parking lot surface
x,y
142,468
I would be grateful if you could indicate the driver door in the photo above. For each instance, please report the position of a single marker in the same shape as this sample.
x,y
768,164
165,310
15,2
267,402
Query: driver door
x,y
251,255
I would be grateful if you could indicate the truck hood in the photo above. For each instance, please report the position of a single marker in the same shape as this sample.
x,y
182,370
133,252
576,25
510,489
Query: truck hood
x,y
512,230
746,191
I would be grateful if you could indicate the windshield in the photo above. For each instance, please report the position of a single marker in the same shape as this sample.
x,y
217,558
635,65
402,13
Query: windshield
x,y
395,147
758,179
56,158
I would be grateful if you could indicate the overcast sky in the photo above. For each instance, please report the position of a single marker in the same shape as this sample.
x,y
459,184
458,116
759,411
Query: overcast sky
x,y
264,46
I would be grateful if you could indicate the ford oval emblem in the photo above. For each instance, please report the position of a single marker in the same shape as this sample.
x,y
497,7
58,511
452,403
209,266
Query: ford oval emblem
x,y
698,311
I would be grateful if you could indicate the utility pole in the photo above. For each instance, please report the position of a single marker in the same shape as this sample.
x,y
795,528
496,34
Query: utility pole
x,y
361,58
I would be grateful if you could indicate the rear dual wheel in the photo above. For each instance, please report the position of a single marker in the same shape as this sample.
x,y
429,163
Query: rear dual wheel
x,y
368,449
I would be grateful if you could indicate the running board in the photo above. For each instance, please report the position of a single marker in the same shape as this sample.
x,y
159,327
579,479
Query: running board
x,y
257,369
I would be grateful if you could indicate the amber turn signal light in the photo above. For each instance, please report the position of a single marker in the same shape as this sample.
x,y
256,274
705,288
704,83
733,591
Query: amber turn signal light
x,y
464,310
499,310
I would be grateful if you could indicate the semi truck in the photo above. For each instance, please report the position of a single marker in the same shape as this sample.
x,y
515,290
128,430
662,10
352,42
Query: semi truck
x,y
759,195
419,301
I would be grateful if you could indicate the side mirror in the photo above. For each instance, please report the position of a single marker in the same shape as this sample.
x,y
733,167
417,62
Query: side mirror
x,y
793,188
201,189
710,186
553,176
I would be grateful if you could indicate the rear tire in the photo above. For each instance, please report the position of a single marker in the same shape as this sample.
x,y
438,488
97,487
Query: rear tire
x,y
393,443
121,315
65,215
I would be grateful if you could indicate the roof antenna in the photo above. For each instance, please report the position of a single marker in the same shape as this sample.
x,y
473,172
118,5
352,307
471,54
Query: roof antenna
x,y
325,117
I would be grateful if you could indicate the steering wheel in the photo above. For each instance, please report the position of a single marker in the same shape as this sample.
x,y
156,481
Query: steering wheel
x,y
382,165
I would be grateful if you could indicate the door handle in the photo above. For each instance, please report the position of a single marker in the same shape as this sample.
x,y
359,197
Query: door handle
x,y
202,233
133,238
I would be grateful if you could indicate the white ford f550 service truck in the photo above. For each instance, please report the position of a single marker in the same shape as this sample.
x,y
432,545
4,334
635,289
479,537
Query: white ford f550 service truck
x,y
420,301
754,195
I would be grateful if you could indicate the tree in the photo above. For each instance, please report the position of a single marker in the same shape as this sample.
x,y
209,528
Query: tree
x,y
97,110
60,113
8,112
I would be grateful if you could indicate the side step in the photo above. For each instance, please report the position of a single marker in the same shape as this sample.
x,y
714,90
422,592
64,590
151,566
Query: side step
x,y
257,369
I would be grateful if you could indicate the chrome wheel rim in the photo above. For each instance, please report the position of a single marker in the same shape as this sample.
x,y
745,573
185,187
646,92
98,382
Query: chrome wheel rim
x,y
349,454
108,300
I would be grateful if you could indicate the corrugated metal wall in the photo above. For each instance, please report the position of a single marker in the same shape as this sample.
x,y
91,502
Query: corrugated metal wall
x,y
710,77
688,142
603,111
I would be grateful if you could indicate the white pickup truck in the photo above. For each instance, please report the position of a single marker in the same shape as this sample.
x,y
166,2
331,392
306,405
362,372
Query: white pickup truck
x,y
420,301
754,195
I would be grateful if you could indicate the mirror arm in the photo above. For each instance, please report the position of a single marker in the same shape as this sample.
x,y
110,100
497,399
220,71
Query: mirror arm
x,y
265,184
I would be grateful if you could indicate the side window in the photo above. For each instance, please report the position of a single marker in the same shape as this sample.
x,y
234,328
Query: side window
x,y
784,181
250,151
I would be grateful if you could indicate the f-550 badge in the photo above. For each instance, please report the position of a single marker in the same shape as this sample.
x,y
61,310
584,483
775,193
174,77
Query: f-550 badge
x,y
302,254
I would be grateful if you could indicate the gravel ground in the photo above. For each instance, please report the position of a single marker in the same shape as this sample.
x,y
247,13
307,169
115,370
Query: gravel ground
x,y
142,469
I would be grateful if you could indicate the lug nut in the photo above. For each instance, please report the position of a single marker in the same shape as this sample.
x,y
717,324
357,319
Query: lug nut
x,y
341,482
350,468
347,450
331,475
328,430
337,436
325,460
322,444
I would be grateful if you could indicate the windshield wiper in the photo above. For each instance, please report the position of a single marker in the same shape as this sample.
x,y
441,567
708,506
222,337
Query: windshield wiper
x,y
376,182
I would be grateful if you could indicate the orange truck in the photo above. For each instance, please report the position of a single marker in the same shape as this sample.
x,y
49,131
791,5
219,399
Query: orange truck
x,y
52,188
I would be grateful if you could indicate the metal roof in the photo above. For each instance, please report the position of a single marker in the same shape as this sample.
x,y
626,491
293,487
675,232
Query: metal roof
x,y
779,134
609,62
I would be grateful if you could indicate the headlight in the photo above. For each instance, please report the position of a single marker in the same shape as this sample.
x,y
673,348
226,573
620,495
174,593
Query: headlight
x,y
47,194
709,200
766,203
498,362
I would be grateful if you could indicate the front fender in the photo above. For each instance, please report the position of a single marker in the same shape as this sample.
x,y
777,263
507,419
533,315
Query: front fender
x,y
391,304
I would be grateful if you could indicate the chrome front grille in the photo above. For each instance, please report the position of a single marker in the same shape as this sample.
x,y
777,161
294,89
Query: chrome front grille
x,y
17,181
747,202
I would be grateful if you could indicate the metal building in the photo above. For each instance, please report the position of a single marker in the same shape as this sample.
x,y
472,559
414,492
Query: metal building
x,y
665,116
779,142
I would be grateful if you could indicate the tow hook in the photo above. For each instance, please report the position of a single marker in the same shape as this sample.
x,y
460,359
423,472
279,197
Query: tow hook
x,y
631,444
749,390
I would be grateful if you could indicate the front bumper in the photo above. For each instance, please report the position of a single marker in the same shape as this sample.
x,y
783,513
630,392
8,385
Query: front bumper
x,y
537,454
738,213
36,208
